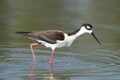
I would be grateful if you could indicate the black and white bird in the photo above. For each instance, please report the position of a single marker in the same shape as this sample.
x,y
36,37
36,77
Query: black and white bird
x,y
56,38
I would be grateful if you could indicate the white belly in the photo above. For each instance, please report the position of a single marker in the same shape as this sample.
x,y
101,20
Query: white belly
x,y
65,43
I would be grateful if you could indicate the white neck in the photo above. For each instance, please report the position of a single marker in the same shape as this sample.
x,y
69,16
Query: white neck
x,y
80,32
72,36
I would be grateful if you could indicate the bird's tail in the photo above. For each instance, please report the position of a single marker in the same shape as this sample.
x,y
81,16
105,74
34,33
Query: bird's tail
x,y
23,33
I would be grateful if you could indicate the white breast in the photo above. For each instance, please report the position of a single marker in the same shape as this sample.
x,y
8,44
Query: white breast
x,y
65,43
69,40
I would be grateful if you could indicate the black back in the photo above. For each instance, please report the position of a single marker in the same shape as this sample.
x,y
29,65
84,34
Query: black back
x,y
50,36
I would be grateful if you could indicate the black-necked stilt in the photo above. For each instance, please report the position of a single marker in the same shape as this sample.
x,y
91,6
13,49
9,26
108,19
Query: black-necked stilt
x,y
56,38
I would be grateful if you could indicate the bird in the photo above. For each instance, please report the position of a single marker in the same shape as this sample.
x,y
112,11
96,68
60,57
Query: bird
x,y
57,38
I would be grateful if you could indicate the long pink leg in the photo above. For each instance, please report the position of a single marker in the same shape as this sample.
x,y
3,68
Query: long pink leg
x,y
51,57
31,47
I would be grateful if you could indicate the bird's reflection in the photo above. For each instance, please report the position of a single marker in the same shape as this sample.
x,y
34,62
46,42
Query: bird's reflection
x,y
51,72
32,69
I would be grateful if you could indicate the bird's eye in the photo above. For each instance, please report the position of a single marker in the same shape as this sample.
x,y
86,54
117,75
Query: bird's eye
x,y
88,27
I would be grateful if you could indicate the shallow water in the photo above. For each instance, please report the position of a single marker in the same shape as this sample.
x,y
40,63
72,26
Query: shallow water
x,y
84,60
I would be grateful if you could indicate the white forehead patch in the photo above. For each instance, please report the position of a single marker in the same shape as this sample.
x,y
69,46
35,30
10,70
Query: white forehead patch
x,y
88,27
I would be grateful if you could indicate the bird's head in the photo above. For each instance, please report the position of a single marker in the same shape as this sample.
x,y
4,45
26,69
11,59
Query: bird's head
x,y
87,28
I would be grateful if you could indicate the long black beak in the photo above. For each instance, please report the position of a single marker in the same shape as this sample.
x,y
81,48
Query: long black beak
x,y
95,38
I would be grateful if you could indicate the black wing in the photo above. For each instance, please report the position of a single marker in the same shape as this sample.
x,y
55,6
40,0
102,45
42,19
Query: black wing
x,y
49,36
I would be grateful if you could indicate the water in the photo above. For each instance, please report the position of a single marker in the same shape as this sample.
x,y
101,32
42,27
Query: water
x,y
84,60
